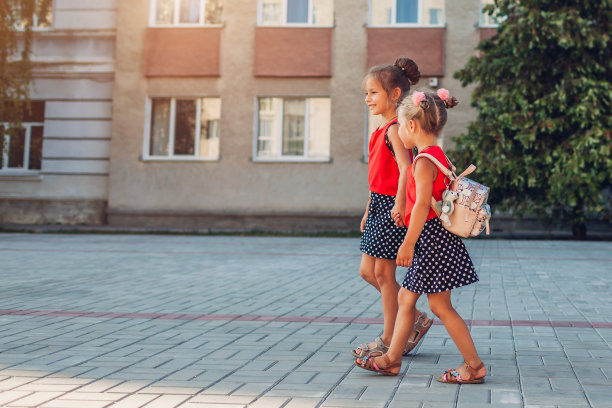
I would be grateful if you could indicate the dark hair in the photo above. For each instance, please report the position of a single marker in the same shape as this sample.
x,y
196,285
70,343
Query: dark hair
x,y
430,111
402,74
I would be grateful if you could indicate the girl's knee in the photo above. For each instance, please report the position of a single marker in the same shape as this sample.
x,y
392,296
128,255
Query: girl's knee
x,y
440,309
367,274
406,299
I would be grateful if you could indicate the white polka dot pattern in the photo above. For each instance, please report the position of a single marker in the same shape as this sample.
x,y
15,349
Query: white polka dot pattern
x,y
440,263
381,237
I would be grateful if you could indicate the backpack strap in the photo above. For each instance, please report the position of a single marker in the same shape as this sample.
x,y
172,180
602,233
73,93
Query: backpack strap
x,y
448,172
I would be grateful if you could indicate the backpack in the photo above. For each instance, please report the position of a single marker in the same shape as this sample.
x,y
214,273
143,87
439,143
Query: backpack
x,y
463,210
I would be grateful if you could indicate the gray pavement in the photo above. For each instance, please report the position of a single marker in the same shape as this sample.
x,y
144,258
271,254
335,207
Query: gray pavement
x,y
157,321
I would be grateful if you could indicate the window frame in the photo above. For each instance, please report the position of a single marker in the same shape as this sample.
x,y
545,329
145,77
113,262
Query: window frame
x,y
481,17
284,22
171,157
280,158
395,24
35,22
176,16
27,141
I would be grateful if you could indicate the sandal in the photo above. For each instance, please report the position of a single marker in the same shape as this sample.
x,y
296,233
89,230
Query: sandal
x,y
452,376
376,351
420,328
368,363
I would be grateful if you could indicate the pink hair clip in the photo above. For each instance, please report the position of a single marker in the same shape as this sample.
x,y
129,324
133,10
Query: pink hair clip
x,y
443,94
417,97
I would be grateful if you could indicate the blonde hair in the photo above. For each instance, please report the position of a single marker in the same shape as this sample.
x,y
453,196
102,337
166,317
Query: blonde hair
x,y
428,109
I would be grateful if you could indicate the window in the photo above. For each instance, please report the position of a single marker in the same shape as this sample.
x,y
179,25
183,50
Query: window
x,y
186,12
183,129
22,150
486,20
293,129
42,19
296,12
407,12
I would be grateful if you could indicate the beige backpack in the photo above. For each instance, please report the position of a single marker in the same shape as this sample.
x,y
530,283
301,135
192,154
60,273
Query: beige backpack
x,y
463,210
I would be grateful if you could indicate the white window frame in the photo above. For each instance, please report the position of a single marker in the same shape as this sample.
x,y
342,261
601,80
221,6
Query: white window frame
x,y
146,145
284,22
481,22
394,23
280,157
27,140
35,26
176,14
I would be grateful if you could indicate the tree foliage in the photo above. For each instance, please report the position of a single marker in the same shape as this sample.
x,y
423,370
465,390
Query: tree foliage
x,y
17,19
543,94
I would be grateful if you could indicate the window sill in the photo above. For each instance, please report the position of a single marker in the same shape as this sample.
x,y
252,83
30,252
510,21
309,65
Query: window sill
x,y
20,175
408,25
291,160
186,25
154,159
297,25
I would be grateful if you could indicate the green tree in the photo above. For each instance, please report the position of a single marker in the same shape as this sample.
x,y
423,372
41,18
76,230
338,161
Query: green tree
x,y
17,18
543,94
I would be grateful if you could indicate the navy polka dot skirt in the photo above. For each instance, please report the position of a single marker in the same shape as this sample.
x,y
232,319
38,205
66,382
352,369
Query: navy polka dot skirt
x,y
440,263
381,237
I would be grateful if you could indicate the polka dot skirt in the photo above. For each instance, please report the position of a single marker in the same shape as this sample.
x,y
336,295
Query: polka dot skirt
x,y
441,261
381,238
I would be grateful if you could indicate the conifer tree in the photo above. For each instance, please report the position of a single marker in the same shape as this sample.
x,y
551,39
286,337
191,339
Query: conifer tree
x,y
543,93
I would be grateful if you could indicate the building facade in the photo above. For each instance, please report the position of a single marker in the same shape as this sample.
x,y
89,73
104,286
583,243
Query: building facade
x,y
244,114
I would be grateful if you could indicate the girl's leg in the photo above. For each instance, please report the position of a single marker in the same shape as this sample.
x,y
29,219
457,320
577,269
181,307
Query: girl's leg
x,y
366,270
392,360
404,324
384,271
440,305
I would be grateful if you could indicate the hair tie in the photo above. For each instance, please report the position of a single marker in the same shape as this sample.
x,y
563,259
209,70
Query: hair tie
x,y
417,98
443,94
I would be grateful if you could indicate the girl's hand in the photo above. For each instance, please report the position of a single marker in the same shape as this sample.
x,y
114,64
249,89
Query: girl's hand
x,y
363,221
397,214
405,254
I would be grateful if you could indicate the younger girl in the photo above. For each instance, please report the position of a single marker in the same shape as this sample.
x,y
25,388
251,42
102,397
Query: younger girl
x,y
385,87
437,260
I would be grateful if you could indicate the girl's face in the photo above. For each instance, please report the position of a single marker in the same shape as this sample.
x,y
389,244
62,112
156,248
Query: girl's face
x,y
405,132
376,97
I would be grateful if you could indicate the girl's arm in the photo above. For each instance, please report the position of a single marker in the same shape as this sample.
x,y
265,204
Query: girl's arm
x,y
402,158
365,215
425,173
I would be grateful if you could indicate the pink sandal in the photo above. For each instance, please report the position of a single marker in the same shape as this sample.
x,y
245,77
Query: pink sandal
x,y
453,377
368,363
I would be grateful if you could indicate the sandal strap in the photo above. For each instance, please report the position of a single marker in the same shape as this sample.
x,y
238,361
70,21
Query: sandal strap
x,y
474,370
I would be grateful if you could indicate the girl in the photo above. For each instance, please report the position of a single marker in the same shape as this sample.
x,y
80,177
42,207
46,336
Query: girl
x,y
437,260
386,86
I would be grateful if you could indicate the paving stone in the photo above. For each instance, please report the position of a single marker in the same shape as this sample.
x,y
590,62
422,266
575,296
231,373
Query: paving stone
x,y
94,340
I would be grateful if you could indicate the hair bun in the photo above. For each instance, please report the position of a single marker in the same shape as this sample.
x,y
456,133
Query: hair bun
x,y
451,102
409,69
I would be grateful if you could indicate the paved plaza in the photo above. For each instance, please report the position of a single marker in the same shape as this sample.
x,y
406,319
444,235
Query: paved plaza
x,y
164,321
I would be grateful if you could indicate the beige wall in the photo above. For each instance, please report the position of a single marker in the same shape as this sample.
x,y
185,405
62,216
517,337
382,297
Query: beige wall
x,y
462,36
235,183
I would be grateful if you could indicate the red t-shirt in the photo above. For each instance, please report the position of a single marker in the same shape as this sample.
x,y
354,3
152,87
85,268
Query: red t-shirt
x,y
439,184
383,173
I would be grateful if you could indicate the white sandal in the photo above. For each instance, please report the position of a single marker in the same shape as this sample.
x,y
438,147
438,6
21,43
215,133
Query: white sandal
x,y
378,350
